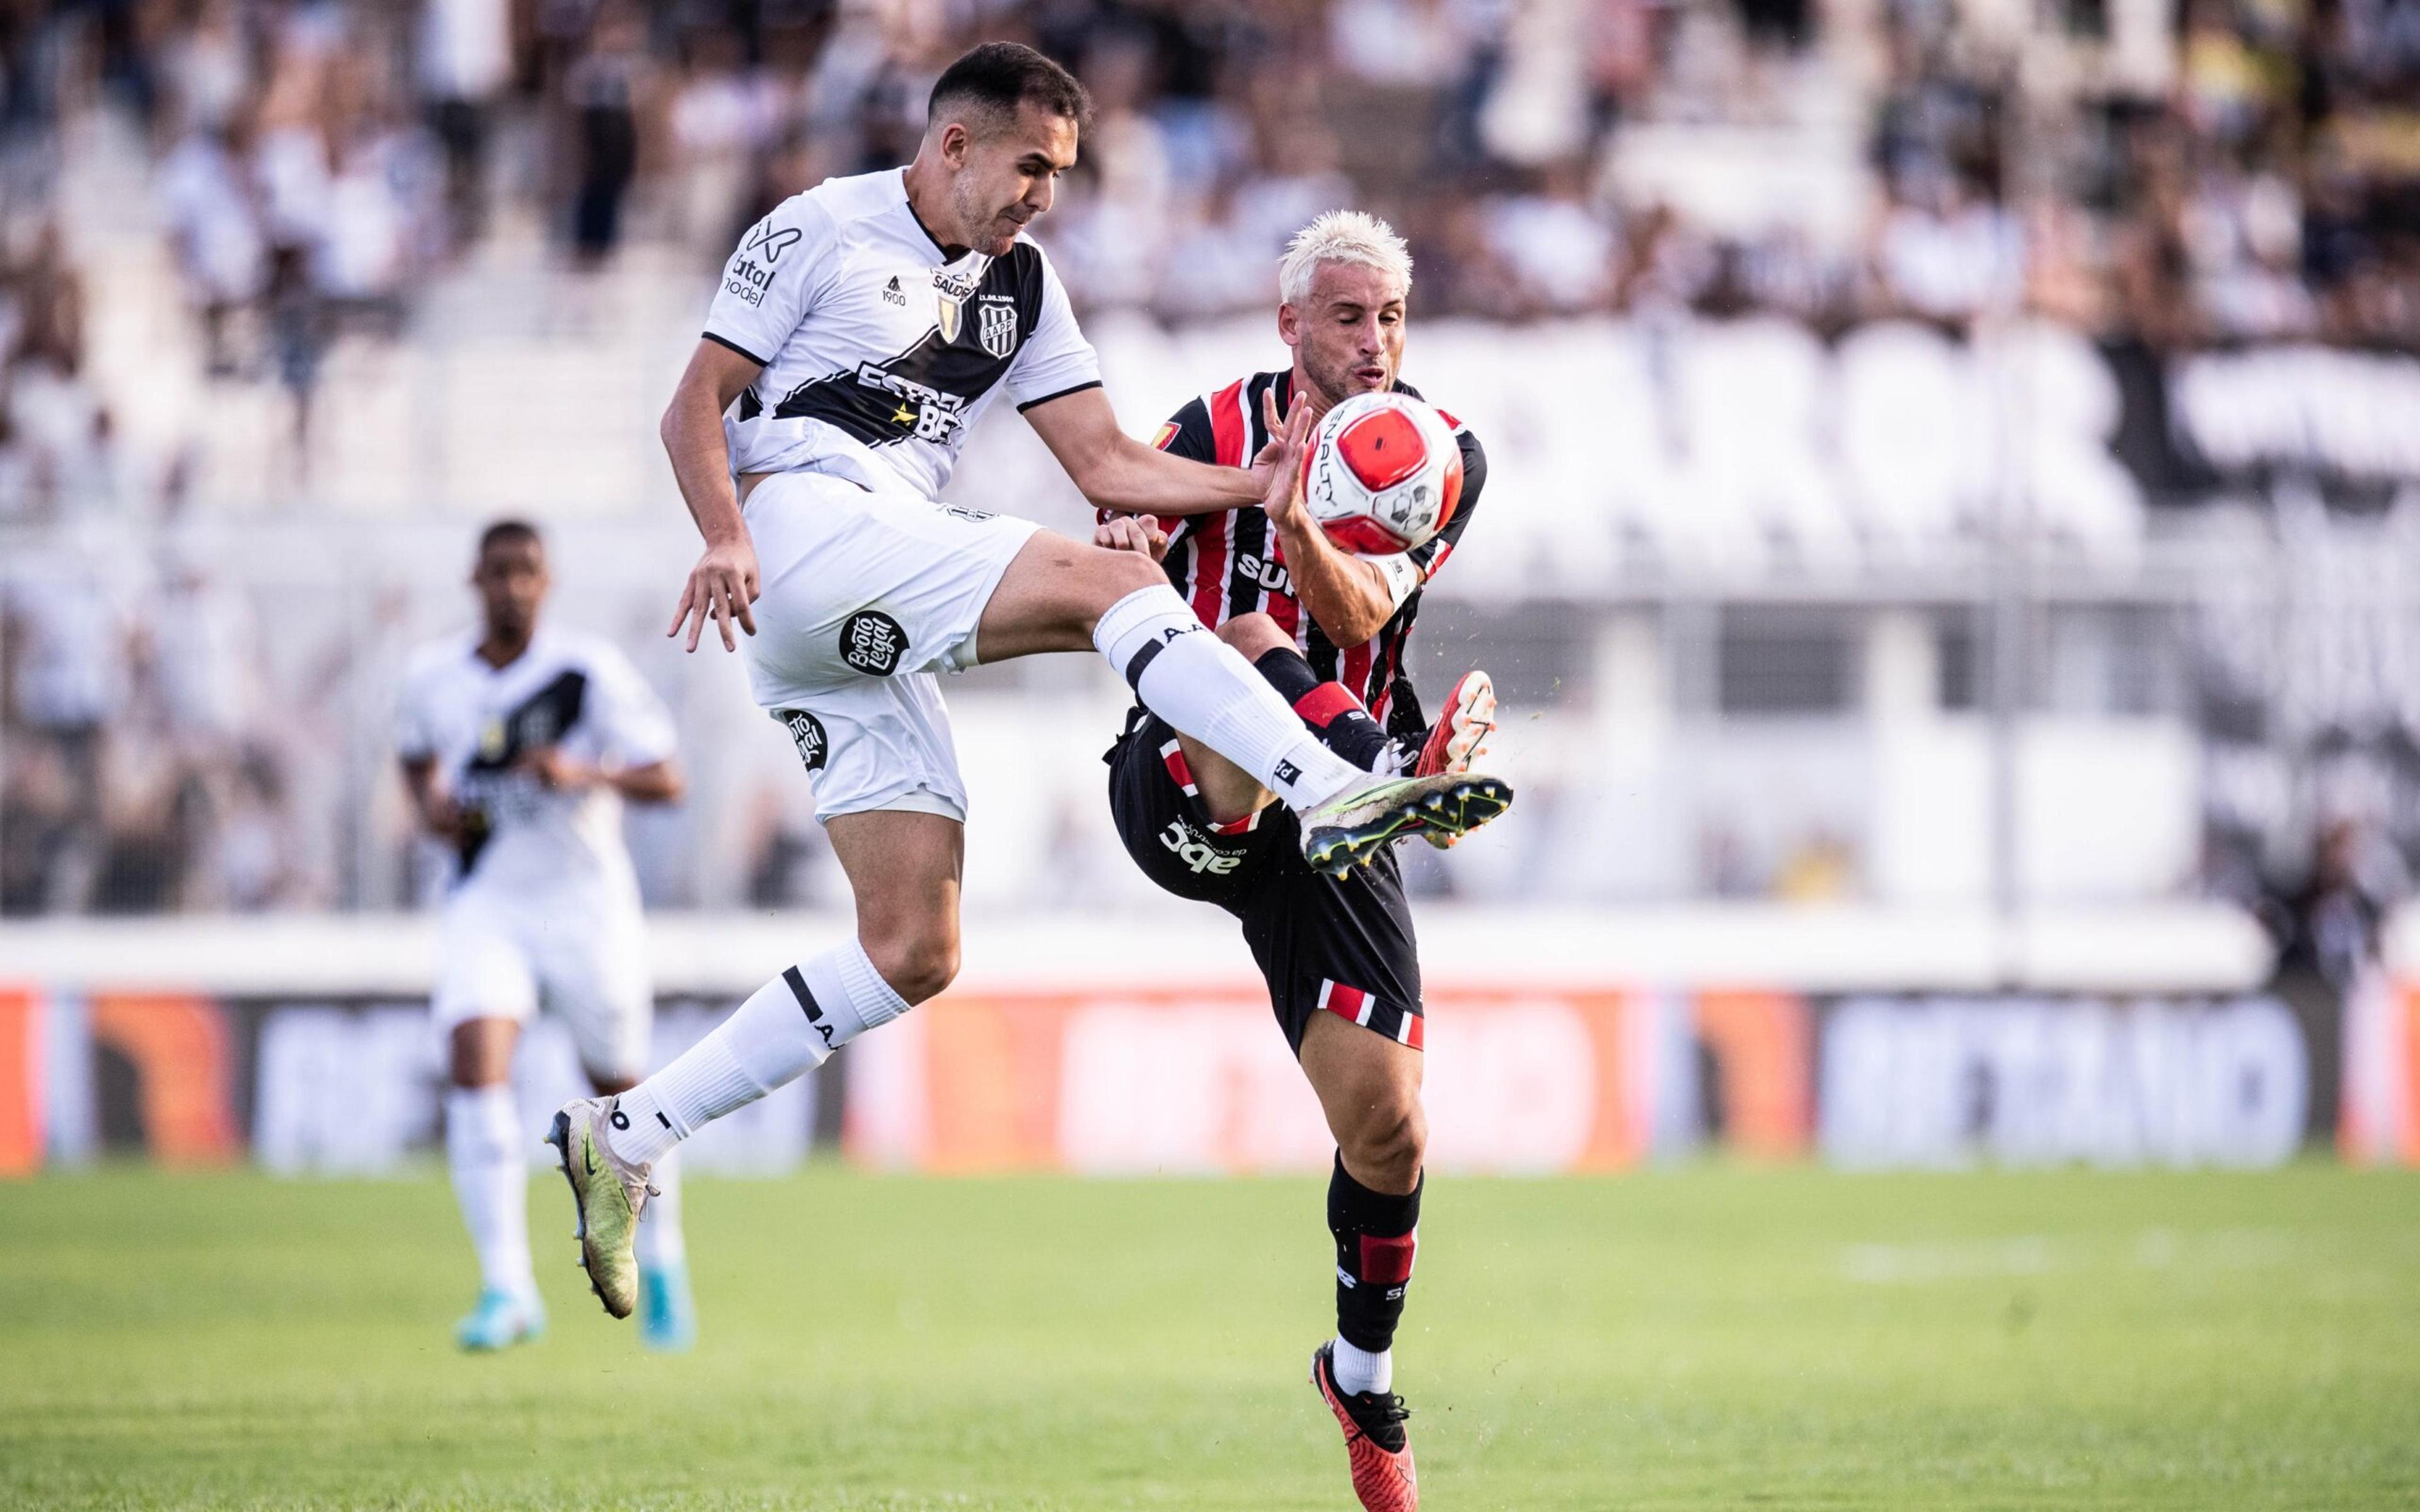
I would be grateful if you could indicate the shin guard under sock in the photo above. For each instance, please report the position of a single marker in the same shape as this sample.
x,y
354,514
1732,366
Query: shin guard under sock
x,y
1375,1237
1339,721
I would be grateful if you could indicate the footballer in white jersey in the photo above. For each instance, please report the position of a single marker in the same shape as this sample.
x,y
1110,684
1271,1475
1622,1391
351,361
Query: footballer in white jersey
x,y
519,744
858,333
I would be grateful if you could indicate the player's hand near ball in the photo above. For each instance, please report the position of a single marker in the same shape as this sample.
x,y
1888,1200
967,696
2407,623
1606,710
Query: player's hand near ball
x,y
1289,444
1346,595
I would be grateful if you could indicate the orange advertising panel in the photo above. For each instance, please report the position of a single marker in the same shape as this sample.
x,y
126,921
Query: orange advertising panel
x,y
20,1081
1763,1045
1141,1082
179,1044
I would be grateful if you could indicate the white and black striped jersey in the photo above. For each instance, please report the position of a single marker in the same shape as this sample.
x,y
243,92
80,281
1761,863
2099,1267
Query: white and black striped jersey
x,y
1231,563
879,349
476,721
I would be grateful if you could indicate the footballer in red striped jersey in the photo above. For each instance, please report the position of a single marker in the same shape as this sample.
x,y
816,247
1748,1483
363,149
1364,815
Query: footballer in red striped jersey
x,y
1329,629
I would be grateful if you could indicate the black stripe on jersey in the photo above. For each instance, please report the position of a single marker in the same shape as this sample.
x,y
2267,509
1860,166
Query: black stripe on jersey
x,y
925,391
1073,388
1249,571
537,721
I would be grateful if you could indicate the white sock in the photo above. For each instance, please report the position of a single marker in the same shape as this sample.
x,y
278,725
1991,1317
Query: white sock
x,y
1205,688
489,1159
659,1242
1358,1370
786,1028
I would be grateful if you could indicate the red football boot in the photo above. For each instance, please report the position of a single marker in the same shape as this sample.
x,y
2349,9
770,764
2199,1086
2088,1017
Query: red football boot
x,y
1459,737
1375,1441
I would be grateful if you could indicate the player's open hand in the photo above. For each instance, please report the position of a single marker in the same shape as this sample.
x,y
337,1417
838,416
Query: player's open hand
x,y
1274,424
721,586
1281,491
1138,533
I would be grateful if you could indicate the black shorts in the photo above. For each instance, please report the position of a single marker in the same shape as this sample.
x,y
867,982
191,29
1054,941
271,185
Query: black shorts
x,y
1342,946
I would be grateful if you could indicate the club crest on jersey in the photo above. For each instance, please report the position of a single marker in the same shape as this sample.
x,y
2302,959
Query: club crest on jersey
x,y
872,643
807,733
996,325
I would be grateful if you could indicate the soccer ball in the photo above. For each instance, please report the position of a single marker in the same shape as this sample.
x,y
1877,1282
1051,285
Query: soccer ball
x,y
1383,476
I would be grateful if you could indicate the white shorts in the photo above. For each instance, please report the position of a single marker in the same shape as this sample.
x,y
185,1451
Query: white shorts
x,y
865,598
501,957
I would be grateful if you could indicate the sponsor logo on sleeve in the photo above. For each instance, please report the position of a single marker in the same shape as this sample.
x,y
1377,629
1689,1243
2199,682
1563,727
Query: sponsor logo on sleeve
x,y
769,241
747,280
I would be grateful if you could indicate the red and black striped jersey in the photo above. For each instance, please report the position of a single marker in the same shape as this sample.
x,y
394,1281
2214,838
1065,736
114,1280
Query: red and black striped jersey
x,y
1231,563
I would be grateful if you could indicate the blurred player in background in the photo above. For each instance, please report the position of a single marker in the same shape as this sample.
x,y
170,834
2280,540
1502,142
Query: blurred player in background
x,y
861,329
520,745
1328,630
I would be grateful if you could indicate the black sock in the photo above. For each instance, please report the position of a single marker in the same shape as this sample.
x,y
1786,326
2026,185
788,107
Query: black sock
x,y
1334,714
1375,1241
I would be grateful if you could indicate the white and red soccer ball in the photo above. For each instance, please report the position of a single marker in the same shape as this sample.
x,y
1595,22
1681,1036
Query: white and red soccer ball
x,y
1383,474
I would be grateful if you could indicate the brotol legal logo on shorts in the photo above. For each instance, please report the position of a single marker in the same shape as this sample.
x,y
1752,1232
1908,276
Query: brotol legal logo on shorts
x,y
871,642
807,733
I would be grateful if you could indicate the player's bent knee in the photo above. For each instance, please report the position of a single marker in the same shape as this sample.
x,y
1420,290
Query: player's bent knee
x,y
1254,635
1390,1139
1116,574
919,963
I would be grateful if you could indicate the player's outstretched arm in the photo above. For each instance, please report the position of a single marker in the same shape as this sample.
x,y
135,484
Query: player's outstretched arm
x,y
1348,597
723,584
1116,471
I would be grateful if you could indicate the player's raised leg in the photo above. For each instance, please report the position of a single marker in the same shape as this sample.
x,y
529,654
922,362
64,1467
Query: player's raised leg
x,y
1338,720
1369,1086
904,870
1060,595
487,1157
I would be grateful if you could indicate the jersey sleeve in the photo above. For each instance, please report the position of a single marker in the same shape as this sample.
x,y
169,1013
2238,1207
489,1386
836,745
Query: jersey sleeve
x,y
629,725
782,266
1056,360
1430,555
1187,433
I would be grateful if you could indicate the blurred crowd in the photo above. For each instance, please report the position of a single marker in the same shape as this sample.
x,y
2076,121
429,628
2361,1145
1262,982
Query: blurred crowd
x,y
2253,172
2161,176
142,767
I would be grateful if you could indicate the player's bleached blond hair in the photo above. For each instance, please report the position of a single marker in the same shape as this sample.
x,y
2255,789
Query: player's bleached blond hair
x,y
1341,236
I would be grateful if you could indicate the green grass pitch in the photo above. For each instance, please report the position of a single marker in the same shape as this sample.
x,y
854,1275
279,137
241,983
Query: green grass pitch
x,y
1708,1338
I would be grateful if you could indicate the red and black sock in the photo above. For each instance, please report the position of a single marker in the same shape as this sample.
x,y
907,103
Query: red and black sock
x,y
1376,1235
1334,714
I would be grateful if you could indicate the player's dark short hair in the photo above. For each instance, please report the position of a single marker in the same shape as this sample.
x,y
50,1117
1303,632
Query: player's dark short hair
x,y
509,532
997,77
